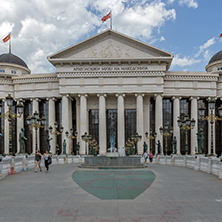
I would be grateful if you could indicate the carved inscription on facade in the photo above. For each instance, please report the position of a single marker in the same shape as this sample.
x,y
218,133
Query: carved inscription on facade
x,y
108,68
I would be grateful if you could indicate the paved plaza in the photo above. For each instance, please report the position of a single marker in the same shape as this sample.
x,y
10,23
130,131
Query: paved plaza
x,y
68,193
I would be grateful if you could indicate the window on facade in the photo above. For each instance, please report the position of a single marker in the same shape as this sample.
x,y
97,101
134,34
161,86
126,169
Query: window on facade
x,y
14,126
152,122
130,123
2,127
203,124
111,119
13,72
74,141
94,124
44,111
2,70
184,109
58,115
218,130
28,129
167,119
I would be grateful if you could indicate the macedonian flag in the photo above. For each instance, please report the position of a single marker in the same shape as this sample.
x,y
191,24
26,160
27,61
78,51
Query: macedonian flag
x,y
220,35
104,18
7,38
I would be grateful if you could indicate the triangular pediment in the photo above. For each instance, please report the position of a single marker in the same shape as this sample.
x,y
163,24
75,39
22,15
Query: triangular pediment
x,y
109,45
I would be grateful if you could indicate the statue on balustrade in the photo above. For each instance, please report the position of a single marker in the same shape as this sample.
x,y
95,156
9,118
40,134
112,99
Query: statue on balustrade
x,y
144,147
64,147
174,145
22,139
112,133
158,147
200,141
48,139
77,148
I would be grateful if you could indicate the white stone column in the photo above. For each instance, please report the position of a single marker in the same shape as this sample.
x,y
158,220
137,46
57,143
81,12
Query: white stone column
x,y
78,119
193,132
102,124
83,122
139,121
65,121
176,114
121,121
35,107
20,125
6,130
146,117
51,123
159,119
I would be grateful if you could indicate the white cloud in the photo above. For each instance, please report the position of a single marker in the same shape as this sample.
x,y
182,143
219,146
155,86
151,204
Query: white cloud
x,y
206,45
189,3
40,28
185,61
207,55
162,38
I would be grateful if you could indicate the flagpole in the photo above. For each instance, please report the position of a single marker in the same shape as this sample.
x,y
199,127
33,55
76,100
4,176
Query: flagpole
x,y
10,46
111,17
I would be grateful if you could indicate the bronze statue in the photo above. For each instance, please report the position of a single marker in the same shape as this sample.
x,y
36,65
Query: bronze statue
x,y
200,140
174,144
64,147
48,139
158,147
22,139
77,148
144,147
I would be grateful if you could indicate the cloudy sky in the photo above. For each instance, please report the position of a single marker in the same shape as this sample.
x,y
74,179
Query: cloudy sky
x,y
189,29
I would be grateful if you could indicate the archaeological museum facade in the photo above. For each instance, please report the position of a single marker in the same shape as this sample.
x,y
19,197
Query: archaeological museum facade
x,y
116,91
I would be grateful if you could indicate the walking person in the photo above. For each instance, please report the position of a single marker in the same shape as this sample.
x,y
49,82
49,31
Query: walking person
x,y
46,157
146,156
151,157
38,157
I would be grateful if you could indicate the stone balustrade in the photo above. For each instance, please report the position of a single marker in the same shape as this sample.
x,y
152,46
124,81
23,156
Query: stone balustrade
x,y
211,165
12,165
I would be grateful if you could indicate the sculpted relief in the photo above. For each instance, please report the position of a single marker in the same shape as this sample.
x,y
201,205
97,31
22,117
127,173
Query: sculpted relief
x,y
110,49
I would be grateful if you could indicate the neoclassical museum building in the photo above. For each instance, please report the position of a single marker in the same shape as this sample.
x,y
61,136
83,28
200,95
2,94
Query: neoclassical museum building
x,y
110,82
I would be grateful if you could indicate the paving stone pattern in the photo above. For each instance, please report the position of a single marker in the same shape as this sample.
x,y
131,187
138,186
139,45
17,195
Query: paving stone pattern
x,y
177,194
109,185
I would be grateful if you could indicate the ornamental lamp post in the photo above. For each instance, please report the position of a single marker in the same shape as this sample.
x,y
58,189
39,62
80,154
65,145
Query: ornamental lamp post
x,y
36,122
10,115
186,124
86,138
72,137
58,131
151,138
212,118
166,132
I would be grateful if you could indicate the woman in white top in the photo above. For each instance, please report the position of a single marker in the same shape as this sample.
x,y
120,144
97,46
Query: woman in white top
x,y
46,156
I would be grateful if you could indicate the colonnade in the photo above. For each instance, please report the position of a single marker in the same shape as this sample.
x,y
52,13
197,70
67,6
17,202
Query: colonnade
x,y
142,118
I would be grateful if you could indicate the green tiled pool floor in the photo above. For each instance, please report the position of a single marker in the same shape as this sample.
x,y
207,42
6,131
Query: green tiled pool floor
x,y
114,184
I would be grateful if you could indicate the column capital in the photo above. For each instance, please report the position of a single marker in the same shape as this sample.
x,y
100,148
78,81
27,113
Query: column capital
x,y
139,94
193,97
85,95
157,94
120,94
176,97
104,95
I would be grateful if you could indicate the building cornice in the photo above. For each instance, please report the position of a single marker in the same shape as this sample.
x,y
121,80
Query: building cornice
x,y
111,74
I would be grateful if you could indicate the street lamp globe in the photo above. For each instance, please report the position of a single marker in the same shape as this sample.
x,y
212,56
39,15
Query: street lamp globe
x,y
20,108
9,100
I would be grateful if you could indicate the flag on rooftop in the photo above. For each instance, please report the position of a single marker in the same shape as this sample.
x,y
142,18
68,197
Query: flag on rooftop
x,y
104,18
7,38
